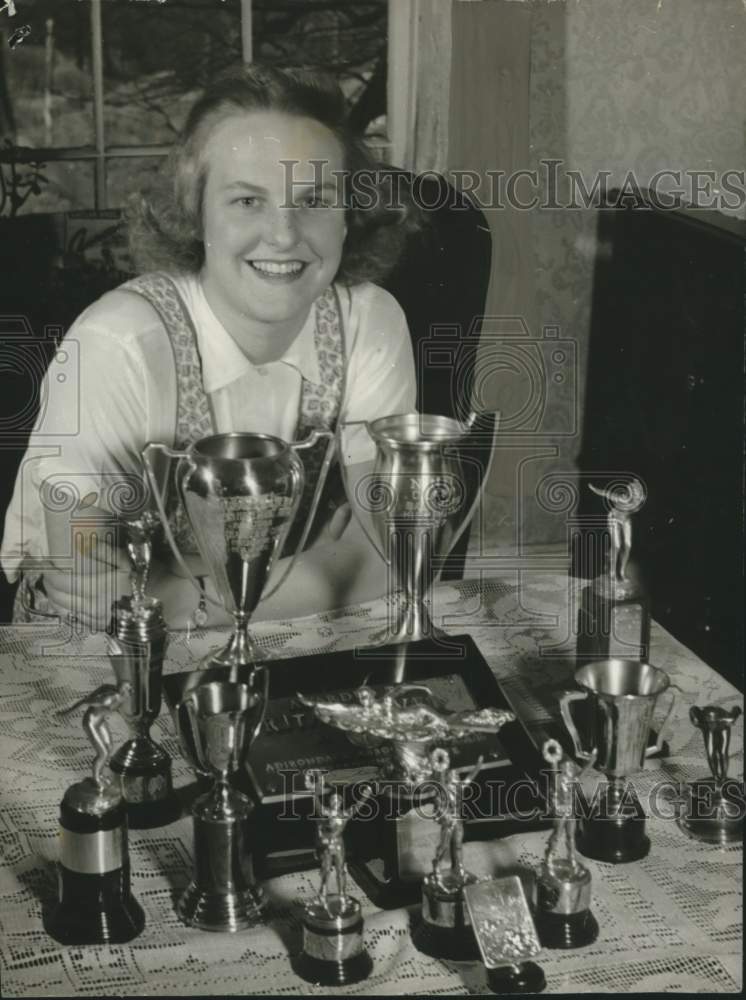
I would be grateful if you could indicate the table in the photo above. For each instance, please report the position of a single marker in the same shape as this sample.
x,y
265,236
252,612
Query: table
x,y
671,922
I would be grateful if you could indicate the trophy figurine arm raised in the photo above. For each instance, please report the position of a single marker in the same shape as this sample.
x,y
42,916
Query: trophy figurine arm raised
x,y
445,930
563,914
333,950
241,493
418,500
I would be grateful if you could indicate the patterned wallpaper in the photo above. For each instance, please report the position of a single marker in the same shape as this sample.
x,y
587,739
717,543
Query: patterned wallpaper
x,y
638,85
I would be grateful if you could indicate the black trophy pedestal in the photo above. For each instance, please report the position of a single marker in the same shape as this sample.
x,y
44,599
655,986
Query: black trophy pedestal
x,y
333,951
566,930
144,771
528,977
562,915
445,930
96,905
611,626
397,852
713,814
615,832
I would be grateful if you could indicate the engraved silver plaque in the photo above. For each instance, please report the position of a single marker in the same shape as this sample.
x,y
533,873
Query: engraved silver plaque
x,y
502,921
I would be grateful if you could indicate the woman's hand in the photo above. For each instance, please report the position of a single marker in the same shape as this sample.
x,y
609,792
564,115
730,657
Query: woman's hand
x,y
100,573
85,571
86,590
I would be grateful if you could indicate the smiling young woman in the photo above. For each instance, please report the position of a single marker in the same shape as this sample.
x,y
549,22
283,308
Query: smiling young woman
x,y
256,311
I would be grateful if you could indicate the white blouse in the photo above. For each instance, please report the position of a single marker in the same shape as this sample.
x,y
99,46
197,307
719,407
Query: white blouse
x,y
118,392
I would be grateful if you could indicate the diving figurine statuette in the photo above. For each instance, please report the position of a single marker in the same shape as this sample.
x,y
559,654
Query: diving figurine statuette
x,y
95,904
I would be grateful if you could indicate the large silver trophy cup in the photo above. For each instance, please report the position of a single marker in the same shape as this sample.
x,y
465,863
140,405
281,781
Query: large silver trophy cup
x,y
240,493
418,500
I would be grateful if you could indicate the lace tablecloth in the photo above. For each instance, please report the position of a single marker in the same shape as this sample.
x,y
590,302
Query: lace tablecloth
x,y
671,922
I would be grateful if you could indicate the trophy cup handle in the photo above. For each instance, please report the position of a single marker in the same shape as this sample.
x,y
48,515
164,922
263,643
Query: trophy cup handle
x,y
567,718
191,741
296,446
153,482
489,428
349,492
265,702
674,689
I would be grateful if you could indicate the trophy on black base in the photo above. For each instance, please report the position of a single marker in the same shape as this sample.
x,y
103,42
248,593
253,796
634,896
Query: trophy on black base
x,y
713,808
445,930
621,696
333,950
614,614
95,904
563,916
136,650
217,723
506,935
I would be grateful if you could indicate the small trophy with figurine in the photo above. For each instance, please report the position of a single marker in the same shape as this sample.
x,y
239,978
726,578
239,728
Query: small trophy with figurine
x,y
333,950
445,930
614,615
138,638
563,915
713,808
95,904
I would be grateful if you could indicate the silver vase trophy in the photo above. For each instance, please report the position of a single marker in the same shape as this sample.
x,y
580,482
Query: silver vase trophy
x,y
217,723
621,696
418,500
241,493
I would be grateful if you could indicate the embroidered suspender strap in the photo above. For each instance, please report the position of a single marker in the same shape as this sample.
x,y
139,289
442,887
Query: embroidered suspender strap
x,y
319,408
320,401
193,416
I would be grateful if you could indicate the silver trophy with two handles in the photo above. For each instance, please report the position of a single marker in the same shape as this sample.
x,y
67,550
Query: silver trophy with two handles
x,y
418,500
240,493
621,697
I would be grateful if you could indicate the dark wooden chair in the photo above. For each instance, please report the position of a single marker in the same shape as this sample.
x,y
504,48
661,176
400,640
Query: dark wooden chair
x,y
441,284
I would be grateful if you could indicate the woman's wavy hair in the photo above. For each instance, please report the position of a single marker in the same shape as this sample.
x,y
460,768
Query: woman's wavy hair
x,y
166,226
